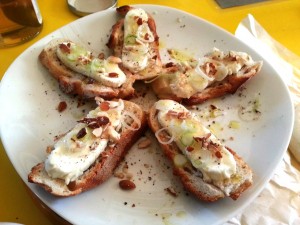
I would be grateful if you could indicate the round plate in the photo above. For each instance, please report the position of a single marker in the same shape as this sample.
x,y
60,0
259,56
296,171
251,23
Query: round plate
x,y
30,121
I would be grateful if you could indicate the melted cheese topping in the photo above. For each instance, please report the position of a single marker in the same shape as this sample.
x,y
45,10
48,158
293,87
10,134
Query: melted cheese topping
x,y
194,76
197,143
75,153
82,61
137,36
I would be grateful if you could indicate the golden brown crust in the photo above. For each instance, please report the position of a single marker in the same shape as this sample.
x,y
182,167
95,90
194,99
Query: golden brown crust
x,y
71,82
244,186
228,86
116,40
192,178
101,170
123,10
197,186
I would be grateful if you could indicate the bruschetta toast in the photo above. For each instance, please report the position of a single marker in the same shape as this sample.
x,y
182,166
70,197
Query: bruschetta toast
x,y
134,39
86,156
79,72
215,75
206,167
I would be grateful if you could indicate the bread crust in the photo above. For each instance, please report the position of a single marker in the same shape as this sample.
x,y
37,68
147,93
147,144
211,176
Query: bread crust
x,y
101,170
116,39
71,82
219,89
191,178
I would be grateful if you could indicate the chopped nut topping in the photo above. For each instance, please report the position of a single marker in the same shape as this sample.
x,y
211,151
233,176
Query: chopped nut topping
x,y
72,185
101,56
139,21
179,115
104,106
49,149
65,48
189,148
114,59
81,133
113,75
210,69
94,123
119,175
171,191
145,143
204,140
169,64
126,185
218,154
84,60
61,106
213,107
206,143
98,131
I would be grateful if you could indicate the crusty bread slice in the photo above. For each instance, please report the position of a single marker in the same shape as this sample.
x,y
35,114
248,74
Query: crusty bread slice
x,y
102,168
116,41
72,82
163,88
192,179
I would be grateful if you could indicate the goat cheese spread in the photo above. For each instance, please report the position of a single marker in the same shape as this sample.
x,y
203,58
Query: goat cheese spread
x,y
196,142
77,150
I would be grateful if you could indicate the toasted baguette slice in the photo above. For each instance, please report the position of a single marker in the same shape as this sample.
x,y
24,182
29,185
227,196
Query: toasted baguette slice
x,y
104,165
192,178
181,81
72,82
116,43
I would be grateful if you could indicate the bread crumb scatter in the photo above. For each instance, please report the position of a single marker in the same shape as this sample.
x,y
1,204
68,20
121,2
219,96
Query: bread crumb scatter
x,y
171,191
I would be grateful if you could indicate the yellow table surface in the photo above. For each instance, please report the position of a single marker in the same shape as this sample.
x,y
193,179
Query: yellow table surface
x,y
281,18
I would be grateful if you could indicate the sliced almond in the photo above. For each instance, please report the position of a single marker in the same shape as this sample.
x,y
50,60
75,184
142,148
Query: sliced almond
x,y
144,143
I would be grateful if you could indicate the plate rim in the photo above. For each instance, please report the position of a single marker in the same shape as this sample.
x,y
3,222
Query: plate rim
x,y
90,17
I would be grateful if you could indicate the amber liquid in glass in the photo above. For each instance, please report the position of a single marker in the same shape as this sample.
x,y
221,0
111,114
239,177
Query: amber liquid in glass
x,y
20,21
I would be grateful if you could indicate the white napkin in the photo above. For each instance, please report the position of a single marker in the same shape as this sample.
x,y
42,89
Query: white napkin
x,y
279,202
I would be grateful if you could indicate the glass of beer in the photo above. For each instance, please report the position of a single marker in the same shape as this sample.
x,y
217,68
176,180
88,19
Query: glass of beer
x,y
20,21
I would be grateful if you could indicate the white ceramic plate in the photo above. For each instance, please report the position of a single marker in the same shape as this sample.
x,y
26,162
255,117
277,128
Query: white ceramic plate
x,y
29,122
